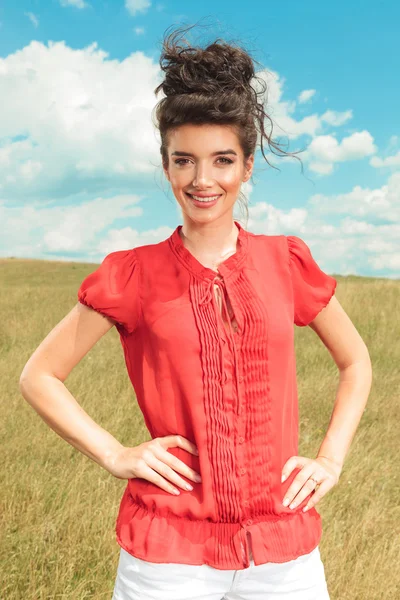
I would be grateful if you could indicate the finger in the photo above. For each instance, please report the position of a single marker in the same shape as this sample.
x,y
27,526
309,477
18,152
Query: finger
x,y
180,441
154,477
307,489
187,444
324,487
292,463
298,482
176,464
168,473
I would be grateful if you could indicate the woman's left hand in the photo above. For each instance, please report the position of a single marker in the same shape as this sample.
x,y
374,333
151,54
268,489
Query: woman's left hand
x,y
324,470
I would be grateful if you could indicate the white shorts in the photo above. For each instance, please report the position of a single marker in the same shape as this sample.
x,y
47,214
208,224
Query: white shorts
x,y
300,579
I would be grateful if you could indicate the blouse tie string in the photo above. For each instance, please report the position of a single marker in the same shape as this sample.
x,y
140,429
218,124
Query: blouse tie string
x,y
208,296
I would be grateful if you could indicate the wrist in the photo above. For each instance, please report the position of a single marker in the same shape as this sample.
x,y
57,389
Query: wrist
x,y
109,456
335,462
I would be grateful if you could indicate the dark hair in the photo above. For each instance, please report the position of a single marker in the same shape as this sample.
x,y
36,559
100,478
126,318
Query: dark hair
x,y
212,85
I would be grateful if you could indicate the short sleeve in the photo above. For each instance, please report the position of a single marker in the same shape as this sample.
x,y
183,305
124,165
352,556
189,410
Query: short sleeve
x,y
312,288
113,289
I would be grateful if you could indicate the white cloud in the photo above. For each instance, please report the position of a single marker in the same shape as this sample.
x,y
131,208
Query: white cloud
x,y
281,111
72,119
325,150
336,119
389,161
136,6
33,18
70,230
127,237
139,30
376,204
306,95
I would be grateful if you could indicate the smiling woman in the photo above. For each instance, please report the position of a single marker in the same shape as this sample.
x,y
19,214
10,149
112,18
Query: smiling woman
x,y
206,322
225,332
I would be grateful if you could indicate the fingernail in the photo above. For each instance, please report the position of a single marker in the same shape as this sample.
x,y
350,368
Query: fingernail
x,y
286,501
283,478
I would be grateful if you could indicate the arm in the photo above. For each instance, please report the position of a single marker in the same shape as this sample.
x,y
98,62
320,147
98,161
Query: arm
x,y
42,383
351,356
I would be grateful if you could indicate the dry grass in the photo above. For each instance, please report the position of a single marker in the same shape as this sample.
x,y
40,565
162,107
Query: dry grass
x,y
58,508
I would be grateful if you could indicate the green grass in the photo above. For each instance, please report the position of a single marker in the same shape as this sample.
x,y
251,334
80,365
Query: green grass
x,y
58,508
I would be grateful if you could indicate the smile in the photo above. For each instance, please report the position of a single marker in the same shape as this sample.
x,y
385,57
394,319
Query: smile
x,y
205,200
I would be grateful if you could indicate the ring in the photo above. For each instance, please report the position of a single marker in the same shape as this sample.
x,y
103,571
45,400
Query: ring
x,y
317,482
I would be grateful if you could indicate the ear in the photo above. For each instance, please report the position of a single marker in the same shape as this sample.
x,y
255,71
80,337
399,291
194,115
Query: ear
x,y
165,172
249,167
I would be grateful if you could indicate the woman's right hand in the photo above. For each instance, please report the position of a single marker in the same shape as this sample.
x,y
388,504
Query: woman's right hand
x,y
151,461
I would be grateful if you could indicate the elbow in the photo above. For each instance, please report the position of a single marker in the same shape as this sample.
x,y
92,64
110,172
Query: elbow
x,y
22,383
358,357
25,379
22,379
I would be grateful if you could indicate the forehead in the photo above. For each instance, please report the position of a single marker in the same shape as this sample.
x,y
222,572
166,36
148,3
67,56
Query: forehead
x,y
203,139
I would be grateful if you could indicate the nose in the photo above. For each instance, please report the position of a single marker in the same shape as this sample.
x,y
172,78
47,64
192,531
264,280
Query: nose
x,y
202,177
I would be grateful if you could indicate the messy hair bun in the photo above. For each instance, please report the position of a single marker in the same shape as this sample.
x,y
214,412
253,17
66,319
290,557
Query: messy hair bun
x,y
212,85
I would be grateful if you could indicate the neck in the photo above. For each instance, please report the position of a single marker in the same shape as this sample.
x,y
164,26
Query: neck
x,y
210,240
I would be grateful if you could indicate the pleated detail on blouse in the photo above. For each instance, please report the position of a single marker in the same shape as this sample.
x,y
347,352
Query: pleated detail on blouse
x,y
219,424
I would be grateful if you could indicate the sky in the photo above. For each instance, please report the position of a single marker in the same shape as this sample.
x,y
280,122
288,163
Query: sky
x,y
80,169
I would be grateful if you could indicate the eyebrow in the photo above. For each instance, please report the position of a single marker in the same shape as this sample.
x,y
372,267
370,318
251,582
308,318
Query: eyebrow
x,y
180,153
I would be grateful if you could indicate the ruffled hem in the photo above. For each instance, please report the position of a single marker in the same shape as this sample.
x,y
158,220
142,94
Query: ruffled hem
x,y
172,539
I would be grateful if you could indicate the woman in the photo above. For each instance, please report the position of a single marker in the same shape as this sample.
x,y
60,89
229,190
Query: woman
x,y
205,319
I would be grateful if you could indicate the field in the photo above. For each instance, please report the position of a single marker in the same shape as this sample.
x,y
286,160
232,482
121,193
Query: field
x,y
58,508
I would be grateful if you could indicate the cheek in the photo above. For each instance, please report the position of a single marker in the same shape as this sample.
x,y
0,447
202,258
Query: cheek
x,y
174,180
230,181
176,176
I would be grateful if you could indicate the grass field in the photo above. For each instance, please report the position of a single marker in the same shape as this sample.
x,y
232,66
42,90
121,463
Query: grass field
x,y
58,508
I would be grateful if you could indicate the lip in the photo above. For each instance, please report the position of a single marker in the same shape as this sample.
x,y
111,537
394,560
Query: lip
x,y
203,195
204,205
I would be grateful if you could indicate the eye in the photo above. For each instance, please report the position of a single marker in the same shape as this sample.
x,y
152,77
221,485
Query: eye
x,y
228,160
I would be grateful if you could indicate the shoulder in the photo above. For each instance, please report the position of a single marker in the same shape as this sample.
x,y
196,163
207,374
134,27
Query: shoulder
x,y
262,239
296,245
117,267
112,275
274,245
300,254
112,288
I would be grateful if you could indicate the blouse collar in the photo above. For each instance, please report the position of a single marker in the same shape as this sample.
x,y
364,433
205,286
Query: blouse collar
x,y
225,268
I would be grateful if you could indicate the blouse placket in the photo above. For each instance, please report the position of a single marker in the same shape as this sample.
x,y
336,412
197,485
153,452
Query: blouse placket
x,y
234,332
209,296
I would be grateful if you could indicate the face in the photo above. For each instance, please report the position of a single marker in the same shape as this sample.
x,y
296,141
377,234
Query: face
x,y
199,164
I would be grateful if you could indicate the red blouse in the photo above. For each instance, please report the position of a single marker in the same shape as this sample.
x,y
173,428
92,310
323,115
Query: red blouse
x,y
229,387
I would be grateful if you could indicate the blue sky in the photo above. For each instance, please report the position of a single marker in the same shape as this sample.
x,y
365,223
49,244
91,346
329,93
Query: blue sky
x,y
80,171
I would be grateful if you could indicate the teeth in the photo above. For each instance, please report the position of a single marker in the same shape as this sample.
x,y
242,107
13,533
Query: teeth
x,y
205,199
